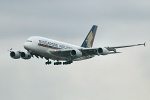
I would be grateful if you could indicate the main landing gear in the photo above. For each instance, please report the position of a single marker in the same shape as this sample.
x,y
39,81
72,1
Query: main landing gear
x,y
57,63
67,62
64,63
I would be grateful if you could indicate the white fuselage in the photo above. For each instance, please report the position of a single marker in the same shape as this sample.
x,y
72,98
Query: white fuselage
x,y
48,48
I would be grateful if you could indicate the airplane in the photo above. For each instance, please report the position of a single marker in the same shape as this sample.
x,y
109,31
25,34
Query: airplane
x,y
63,53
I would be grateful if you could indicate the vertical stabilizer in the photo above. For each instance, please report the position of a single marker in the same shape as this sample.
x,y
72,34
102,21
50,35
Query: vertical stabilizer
x,y
88,42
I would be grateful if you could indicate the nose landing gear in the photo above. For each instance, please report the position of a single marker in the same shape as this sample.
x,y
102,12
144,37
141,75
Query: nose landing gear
x,y
48,62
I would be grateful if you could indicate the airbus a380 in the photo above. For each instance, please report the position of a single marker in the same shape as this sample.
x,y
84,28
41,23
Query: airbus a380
x,y
63,52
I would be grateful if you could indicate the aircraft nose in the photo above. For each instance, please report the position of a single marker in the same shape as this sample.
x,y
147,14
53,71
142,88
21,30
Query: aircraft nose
x,y
27,45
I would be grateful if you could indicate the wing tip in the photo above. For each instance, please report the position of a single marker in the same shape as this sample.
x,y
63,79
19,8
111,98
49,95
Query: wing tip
x,y
144,44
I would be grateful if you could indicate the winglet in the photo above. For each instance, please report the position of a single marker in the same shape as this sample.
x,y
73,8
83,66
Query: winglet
x,y
144,44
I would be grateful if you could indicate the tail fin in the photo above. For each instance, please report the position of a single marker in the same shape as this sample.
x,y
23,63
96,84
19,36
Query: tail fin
x,y
88,42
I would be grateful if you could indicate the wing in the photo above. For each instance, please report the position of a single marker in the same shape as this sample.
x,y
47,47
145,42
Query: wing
x,y
105,50
128,46
88,52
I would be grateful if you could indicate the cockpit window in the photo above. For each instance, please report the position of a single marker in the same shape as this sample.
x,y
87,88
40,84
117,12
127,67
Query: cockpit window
x,y
29,41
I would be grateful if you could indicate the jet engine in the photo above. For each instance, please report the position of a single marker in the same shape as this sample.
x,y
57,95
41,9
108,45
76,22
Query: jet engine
x,y
76,53
15,54
25,55
103,51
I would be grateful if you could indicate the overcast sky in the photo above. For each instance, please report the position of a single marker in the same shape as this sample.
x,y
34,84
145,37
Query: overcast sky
x,y
124,76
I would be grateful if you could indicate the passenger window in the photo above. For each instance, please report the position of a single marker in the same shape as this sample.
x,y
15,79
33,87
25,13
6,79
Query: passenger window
x,y
29,41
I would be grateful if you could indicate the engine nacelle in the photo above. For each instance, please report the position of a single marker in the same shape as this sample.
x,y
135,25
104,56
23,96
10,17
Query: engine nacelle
x,y
25,55
15,54
103,51
76,53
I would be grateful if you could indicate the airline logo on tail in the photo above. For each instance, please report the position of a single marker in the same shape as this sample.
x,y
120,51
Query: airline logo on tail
x,y
88,42
89,39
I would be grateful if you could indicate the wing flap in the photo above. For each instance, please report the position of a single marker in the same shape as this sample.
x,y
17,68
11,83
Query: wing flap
x,y
89,51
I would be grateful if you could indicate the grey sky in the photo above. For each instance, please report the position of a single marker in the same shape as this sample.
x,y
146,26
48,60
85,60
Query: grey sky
x,y
120,22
